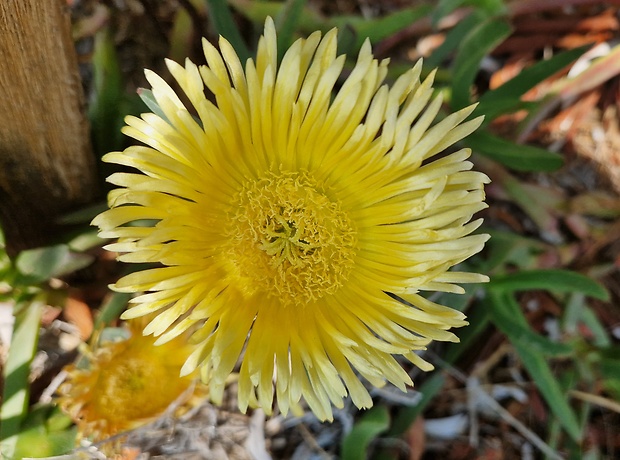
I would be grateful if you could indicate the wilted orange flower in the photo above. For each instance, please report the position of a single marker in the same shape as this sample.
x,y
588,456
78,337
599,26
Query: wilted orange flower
x,y
126,384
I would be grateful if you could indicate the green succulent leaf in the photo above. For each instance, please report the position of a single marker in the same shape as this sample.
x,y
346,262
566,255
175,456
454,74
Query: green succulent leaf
x,y
474,47
371,424
533,358
560,281
514,156
40,264
507,97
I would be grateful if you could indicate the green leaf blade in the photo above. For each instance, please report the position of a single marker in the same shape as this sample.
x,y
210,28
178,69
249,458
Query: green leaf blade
x,y
547,383
477,44
16,373
224,23
508,317
40,264
378,29
554,280
149,100
536,364
453,39
287,22
107,107
507,97
371,424
514,156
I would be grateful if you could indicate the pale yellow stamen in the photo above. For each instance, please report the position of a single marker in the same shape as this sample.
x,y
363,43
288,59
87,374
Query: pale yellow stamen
x,y
289,239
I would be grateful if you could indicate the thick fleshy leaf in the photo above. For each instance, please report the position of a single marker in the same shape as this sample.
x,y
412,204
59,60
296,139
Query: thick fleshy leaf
x,y
515,156
41,264
477,44
371,424
560,281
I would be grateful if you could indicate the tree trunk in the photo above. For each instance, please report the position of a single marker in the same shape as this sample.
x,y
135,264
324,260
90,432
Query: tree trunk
x,y
46,164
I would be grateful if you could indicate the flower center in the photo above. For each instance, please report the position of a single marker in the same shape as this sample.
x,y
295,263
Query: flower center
x,y
125,390
289,239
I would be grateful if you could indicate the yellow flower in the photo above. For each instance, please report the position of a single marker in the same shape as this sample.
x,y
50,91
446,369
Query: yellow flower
x,y
127,384
294,228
